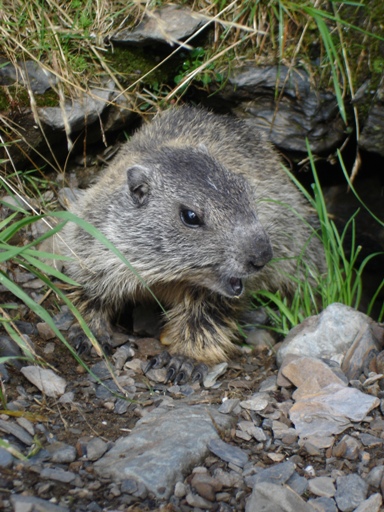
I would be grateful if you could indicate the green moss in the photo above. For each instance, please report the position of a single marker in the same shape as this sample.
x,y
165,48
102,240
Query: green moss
x,y
16,97
132,63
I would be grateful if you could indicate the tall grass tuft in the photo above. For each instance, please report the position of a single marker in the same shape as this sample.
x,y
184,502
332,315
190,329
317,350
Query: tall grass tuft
x,y
343,279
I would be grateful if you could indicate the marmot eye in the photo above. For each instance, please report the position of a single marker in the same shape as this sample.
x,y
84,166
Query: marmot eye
x,y
190,218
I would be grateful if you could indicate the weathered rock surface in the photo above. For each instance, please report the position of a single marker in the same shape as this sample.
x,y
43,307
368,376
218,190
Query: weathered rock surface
x,y
330,335
79,112
372,135
45,380
150,453
169,25
267,497
300,112
30,73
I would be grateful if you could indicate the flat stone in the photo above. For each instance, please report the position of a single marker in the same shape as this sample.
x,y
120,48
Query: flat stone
x,y
10,427
306,368
45,380
217,371
28,503
330,410
96,448
372,504
6,458
322,486
61,452
297,483
228,452
277,474
78,113
351,492
375,476
164,445
168,25
30,73
45,331
268,497
328,335
229,405
323,505
194,500
257,402
58,474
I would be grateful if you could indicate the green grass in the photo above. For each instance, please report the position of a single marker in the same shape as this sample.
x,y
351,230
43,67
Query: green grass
x,y
343,280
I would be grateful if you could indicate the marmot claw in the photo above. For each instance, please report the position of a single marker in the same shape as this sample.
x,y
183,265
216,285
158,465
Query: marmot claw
x,y
180,369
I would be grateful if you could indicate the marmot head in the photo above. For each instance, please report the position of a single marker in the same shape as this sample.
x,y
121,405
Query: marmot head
x,y
190,219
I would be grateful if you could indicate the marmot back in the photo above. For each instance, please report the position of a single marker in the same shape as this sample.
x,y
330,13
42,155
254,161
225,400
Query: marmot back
x,y
201,207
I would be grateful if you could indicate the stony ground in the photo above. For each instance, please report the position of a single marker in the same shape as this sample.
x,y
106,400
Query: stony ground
x,y
166,447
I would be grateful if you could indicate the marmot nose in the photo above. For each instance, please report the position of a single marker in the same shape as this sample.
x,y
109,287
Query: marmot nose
x,y
258,261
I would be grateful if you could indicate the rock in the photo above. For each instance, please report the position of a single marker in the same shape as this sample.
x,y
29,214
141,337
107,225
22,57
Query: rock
x,y
6,458
57,474
9,348
122,354
30,73
328,335
253,431
197,501
206,486
351,492
29,503
268,497
96,448
228,452
371,138
214,374
45,380
372,504
269,384
297,483
375,476
64,319
301,111
229,405
322,486
348,448
164,445
45,331
278,474
77,113
307,369
168,25
323,505
257,402
180,490
61,452
20,433
330,411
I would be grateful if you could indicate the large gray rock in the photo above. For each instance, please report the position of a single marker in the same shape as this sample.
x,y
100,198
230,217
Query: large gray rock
x,y
163,446
372,135
168,25
300,112
330,335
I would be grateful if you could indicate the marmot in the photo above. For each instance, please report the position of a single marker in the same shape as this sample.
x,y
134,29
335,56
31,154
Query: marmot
x,y
201,207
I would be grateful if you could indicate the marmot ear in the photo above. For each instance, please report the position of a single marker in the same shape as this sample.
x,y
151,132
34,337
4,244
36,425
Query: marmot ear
x,y
139,184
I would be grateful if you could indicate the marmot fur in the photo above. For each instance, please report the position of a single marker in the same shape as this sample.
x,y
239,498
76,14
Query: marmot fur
x,y
199,204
